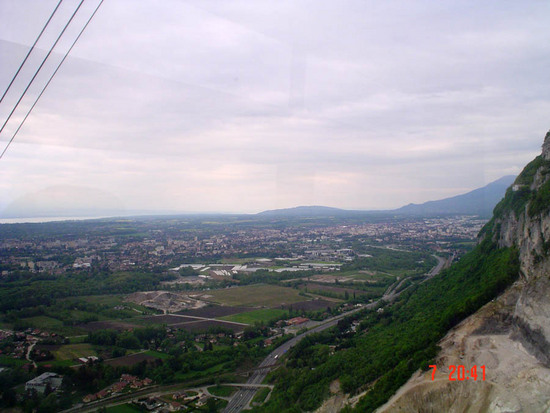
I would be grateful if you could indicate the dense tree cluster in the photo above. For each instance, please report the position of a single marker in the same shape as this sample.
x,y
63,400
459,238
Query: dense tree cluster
x,y
32,290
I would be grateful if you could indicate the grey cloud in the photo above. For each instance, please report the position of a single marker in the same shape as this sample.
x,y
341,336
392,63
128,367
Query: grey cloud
x,y
354,104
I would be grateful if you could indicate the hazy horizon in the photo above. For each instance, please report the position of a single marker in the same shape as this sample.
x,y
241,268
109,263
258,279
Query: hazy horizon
x,y
240,107
20,216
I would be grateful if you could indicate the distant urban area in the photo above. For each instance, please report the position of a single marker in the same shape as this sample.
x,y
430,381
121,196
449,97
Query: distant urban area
x,y
156,244
195,312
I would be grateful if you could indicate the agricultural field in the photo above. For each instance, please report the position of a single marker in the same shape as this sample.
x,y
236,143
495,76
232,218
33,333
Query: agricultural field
x,y
108,325
371,276
118,300
332,291
157,354
74,351
204,326
130,360
257,295
215,311
11,362
261,315
44,322
193,324
167,319
165,301
124,408
51,324
312,305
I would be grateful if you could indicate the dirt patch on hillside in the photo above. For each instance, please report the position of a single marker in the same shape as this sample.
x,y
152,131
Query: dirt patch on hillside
x,y
168,302
338,399
515,380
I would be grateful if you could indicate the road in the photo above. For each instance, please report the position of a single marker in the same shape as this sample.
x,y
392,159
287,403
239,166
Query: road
x,y
198,319
29,350
393,291
241,400
243,397
441,263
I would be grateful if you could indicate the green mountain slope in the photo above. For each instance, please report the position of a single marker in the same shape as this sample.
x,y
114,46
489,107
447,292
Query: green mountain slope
x,y
390,346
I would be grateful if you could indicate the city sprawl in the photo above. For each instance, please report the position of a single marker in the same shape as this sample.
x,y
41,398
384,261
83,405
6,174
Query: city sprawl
x,y
194,312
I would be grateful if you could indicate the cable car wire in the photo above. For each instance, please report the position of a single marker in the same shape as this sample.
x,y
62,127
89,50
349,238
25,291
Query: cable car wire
x,y
51,78
41,65
30,51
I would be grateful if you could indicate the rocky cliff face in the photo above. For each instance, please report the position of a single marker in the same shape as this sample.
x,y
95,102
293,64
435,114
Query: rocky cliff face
x,y
546,147
511,335
527,226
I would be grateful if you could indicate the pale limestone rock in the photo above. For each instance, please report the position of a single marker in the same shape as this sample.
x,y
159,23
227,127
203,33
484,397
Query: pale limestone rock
x,y
510,336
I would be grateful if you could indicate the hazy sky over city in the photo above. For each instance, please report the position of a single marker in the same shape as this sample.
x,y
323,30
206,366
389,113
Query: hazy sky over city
x,y
242,106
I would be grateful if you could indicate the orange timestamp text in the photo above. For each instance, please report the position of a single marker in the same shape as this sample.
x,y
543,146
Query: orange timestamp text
x,y
461,373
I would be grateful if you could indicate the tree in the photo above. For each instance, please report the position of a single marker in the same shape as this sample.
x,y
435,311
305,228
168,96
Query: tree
x,y
211,405
48,390
8,398
127,340
49,404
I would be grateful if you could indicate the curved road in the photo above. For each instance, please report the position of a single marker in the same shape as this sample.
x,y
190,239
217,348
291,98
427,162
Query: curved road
x,y
241,400
243,397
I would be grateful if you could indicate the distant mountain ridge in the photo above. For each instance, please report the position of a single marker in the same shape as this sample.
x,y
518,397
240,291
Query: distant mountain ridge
x,y
304,211
480,201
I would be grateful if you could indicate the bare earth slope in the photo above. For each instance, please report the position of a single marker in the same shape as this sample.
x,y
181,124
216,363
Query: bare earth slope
x,y
511,335
166,301
516,381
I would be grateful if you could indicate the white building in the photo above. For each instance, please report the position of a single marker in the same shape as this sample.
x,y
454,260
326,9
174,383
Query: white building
x,y
41,382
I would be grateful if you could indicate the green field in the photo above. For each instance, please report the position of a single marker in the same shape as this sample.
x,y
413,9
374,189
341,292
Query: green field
x,y
251,317
44,322
157,354
370,276
78,339
261,395
124,408
255,296
52,325
58,363
222,391
115,300
11,362
74,351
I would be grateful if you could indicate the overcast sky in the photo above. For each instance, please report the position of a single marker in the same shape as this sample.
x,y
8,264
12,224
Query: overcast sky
x,y
242,106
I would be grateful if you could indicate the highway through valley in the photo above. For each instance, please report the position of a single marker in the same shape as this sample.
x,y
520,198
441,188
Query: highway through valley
x,y
241,400
243,397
